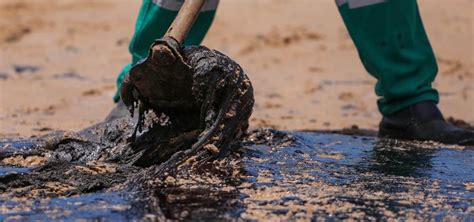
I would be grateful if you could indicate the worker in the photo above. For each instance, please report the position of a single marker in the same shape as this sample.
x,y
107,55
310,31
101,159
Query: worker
x,y
392,45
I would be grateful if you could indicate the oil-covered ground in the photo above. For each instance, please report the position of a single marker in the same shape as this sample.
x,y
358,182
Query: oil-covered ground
x,y
274,175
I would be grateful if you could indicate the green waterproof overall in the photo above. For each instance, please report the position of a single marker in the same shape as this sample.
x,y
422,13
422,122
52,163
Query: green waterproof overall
x,y
389,36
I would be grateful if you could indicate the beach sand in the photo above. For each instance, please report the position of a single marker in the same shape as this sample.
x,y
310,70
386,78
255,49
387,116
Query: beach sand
x,y
59,60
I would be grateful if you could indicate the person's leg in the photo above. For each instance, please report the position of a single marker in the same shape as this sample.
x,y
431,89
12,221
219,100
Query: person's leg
x,y
394,48
154,18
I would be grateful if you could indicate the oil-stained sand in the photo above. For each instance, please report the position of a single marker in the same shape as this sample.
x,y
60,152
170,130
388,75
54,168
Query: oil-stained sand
x,y
274,175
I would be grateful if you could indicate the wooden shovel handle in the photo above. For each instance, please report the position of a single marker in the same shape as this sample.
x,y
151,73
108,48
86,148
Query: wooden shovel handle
x,y
185,19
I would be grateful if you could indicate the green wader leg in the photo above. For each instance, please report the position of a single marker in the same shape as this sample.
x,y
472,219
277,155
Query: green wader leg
x,y
394,48
152,23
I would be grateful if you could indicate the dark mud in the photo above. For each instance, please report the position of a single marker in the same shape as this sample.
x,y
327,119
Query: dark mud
x,y
274,175
202,98
341,177
193,106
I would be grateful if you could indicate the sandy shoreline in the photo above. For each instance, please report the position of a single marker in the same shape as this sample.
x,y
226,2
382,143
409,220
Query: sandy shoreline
x,y
304,68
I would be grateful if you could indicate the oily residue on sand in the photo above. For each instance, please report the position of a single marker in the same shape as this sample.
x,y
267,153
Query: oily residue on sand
x,y
274,175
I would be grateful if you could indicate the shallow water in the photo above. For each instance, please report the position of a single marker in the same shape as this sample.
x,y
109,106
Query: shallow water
x,y
315,176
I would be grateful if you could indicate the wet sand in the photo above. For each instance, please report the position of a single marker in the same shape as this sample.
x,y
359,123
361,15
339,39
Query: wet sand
x,y
275,176
59,60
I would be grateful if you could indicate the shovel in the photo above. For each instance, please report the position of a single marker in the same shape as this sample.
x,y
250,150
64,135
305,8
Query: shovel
x,y
197,91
